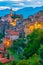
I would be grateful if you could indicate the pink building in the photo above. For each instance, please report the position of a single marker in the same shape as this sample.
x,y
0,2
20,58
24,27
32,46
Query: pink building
x,y
12,34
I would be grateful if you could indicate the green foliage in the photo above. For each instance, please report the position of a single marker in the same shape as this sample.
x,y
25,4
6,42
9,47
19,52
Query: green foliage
x,y
23,62
18,47
19,42
1,63
41,13
41,37
31,61
13,63
1,37
8,56
41,54
16,16
34,41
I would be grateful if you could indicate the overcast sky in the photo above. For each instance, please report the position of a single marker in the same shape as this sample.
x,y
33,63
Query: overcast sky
x,y
18,4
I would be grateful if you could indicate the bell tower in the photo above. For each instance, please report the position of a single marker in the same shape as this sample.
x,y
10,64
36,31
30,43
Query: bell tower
x,y
11,11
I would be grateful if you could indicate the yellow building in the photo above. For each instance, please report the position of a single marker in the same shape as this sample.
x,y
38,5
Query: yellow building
x,y
13,23
37,25
30,27
7,42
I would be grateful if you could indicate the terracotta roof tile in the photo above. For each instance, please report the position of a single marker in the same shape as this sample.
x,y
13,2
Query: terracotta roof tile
x,y
1,49
12,32
4,60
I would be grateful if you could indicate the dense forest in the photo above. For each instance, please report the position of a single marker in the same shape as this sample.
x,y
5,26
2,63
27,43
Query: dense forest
x,y
29,50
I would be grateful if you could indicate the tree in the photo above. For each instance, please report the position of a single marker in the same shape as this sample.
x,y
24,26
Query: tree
x,y
13,63
23,62
18,43
1,63
31,61
1,37
33,43
41,37
41,56
8,56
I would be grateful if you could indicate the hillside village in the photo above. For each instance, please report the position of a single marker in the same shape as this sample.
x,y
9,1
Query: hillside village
x,y
14,26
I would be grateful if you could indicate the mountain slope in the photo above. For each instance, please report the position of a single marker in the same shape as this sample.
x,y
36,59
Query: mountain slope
x,y
4,12
27,11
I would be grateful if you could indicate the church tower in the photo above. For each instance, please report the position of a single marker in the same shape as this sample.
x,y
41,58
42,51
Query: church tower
x,y
11,11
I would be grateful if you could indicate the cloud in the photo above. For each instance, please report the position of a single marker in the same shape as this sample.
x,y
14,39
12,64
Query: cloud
x,y
19,4
13,0
4,7
20,0
38,2
17,0
29,0
15,9
1,0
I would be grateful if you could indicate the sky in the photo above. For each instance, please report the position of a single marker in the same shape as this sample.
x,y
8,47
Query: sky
x,y
19,4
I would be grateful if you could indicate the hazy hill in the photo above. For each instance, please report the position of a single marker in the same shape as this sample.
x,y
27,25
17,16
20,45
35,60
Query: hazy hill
x,y
27,11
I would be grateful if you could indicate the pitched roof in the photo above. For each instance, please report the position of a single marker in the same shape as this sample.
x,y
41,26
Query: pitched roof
x,y
2,47
12,32
4,60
